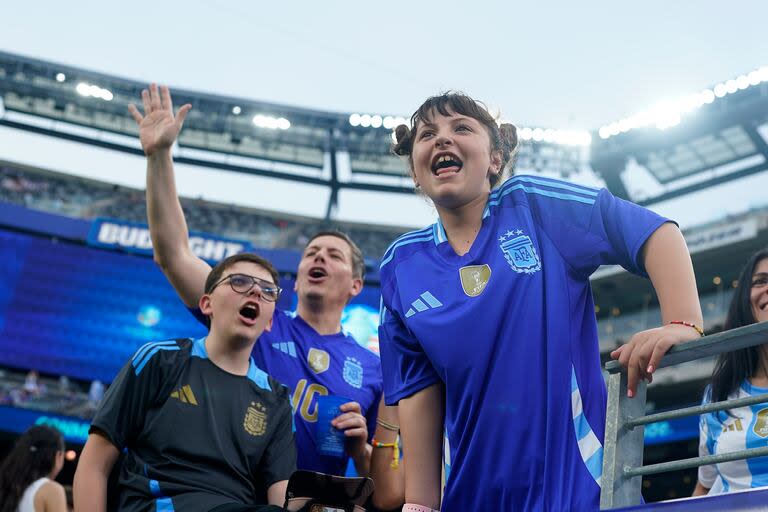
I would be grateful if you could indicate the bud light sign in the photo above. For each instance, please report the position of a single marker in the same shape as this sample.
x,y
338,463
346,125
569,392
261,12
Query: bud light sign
x,y
134,238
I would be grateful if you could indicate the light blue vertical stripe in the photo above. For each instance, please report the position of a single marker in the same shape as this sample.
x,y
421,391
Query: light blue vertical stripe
x,y
582,429
758,467
154,489
164,505
595,465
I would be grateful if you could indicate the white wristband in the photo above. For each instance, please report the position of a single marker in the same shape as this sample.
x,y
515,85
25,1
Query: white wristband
x,y
412,507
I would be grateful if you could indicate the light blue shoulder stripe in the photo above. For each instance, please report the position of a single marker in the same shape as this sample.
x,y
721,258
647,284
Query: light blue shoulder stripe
x,y
542,192
258,376
406,236
402,244
548,182
139,365
148,346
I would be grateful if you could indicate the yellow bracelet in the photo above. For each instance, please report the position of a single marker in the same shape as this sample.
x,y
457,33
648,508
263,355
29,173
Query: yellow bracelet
x,y
692,326
395,446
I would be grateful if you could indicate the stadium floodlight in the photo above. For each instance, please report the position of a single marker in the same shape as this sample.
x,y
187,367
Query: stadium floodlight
x,y
60,77
668,114
236,110
525,133
376,121
271,123
388,122
354,119
93,91
365,120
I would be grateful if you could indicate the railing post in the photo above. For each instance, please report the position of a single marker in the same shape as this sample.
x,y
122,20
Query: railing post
x,y
622,447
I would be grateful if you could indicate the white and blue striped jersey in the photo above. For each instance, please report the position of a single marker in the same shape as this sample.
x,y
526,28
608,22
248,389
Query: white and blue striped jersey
x,y
746,427
509,329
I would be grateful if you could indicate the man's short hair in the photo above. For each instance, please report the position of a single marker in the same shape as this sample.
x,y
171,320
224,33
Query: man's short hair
x,y
358,263
217,271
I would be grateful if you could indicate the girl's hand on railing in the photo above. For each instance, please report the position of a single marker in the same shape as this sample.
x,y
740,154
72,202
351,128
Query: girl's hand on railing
x,y
642,354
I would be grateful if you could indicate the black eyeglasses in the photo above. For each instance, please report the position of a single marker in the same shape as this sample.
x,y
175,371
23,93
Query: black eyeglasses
x,y
242,283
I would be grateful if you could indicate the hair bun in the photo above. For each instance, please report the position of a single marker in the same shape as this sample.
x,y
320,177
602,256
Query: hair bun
x,y
403,145
508,134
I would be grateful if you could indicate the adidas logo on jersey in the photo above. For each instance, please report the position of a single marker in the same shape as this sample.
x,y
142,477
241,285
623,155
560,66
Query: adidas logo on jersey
x,y
287,347
185,394
425,301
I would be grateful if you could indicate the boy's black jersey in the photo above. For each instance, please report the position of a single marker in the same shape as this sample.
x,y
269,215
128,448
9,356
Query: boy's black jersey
x,y
195,436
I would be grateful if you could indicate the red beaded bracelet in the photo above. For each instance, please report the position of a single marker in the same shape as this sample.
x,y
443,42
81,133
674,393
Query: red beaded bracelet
x,y
693,326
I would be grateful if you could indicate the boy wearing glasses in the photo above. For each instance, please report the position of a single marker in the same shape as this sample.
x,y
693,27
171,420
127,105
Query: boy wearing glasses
x,y
202,426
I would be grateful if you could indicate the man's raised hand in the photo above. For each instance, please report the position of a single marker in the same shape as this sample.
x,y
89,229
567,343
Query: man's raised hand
x,y
158,127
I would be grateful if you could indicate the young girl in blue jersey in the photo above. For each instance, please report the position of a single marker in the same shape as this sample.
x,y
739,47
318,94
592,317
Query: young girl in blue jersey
x,y
739,374
488,328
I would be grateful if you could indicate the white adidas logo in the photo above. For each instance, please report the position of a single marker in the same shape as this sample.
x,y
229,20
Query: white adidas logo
x,y
419,305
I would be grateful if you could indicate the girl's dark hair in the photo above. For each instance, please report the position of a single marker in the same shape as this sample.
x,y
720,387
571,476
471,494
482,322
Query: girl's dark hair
x,y
732,368
503,137
32,457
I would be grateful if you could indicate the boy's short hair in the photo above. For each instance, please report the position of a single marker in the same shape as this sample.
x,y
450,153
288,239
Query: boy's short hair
x,y
216,273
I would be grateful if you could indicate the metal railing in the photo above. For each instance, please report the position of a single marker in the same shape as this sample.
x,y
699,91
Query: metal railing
x,y
625,418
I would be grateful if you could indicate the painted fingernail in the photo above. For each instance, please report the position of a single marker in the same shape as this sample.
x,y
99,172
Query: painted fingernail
x,y
650,368
630,394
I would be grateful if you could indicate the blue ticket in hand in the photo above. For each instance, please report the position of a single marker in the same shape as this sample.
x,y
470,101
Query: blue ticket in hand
x,y
329,440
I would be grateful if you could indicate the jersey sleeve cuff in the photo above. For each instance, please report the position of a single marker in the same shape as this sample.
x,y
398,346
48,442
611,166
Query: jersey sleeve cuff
x,y
637,249
105,431
391,398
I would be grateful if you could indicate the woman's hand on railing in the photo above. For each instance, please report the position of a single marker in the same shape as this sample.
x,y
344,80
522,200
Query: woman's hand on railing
x,y
642,354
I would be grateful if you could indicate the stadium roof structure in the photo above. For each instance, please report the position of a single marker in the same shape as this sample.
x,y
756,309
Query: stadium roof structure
x,y
704,139
707,138
335,149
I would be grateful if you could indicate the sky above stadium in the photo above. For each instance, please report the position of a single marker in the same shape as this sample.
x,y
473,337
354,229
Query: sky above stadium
x,y
560,64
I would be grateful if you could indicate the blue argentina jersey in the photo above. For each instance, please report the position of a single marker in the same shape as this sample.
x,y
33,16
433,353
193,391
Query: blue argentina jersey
x,y
720,433
509,330
313,365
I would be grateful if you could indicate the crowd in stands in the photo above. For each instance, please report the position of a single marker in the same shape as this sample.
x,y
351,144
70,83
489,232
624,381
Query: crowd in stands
x,y
80,198
60,395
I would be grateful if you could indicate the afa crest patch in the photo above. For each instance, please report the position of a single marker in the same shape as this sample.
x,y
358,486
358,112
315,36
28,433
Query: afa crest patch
x,y
520,252
353,372
255,421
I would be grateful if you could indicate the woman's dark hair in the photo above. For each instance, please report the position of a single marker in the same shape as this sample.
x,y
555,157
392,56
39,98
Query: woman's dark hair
x,y
732,368
33,456
503,137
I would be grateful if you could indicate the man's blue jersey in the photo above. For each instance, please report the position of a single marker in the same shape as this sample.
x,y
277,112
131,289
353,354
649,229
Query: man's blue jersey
x,y
509,329
313,365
